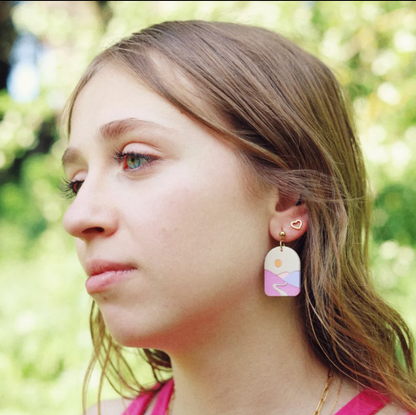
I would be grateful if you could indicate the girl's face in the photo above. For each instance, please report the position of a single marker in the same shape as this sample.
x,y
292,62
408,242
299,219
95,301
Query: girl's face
x,y
165,228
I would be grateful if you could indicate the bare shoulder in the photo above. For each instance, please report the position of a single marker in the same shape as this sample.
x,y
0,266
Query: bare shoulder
x,y
110,407
392,410
349,391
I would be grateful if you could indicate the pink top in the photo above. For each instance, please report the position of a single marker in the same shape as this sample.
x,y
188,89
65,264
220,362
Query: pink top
x,y
367,402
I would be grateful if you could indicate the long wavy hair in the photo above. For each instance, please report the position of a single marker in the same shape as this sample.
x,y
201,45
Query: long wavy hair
x,y
287,116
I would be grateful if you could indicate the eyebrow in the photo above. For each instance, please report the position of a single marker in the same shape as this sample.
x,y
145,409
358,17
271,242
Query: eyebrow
x,y
114,129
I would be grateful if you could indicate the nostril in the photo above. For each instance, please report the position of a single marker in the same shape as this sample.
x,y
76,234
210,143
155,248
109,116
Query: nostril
x,y
93,230
84,219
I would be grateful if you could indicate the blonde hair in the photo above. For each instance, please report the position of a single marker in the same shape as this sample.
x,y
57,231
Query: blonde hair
x,y
286,114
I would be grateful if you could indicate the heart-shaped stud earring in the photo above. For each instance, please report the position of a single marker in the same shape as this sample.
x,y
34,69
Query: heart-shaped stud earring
x,y
296,224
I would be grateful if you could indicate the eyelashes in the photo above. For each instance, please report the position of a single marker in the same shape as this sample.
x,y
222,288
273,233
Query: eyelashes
x,y
69,189
129,161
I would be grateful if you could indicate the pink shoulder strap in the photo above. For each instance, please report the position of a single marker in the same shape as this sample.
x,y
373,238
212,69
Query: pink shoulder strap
x,y
163,399
367,402
140,404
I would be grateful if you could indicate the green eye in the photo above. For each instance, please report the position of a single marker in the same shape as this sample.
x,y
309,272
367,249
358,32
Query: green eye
x,y
133,161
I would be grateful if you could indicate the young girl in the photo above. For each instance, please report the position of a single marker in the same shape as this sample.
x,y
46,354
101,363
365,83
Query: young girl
x,y
221,214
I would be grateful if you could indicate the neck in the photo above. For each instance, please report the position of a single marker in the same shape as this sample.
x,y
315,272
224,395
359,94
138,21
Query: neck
x,y
258,365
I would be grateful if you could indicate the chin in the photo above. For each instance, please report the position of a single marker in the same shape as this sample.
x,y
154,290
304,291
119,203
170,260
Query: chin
x,y
128,338
134,335
124,334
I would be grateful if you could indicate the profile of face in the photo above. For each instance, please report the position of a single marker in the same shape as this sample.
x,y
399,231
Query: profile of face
x,y
165,227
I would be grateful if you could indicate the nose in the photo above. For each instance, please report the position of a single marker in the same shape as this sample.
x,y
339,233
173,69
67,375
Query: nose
x,y
91,214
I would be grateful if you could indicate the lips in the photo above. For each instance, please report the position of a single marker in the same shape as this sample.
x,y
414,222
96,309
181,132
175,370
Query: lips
x,y
97,267
103,275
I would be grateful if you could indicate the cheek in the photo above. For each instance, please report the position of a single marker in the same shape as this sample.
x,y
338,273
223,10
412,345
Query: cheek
x,y
190,229
168,224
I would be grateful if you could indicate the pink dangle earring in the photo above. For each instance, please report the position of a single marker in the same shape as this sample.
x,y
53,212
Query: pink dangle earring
x,y
282,269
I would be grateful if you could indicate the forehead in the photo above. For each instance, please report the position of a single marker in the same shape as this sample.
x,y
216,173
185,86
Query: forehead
x,y
111,95
113,103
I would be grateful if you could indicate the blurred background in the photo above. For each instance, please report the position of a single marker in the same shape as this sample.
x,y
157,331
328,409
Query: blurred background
x,y
45,46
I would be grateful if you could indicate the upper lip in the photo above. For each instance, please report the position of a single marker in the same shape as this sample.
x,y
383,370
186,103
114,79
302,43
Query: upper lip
x,y
96,267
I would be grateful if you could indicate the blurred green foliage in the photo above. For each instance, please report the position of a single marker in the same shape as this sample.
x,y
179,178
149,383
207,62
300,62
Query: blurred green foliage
x,y
44,338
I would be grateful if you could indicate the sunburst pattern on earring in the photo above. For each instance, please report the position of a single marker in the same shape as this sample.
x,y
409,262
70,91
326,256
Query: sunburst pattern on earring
x,y
282,271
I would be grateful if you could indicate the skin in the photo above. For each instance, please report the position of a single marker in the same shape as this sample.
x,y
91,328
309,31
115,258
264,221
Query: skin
x,y
186,222
194,240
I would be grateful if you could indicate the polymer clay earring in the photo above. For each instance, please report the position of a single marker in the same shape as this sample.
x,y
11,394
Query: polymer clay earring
x,y
282,271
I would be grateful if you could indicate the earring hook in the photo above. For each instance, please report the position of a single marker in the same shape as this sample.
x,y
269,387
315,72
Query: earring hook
x,y
282,240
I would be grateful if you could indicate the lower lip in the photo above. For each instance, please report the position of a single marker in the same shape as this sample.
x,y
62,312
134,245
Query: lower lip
x,y
102,282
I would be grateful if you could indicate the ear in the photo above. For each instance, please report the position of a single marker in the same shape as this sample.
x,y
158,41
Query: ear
x,y
291,217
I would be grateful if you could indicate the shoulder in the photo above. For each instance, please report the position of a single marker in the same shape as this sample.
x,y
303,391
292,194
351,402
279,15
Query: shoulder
x,y
392,410
352,398
110,407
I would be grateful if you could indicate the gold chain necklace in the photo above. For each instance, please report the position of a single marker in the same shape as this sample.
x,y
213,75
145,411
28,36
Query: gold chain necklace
x,y
324,393
321,402
336,398
168,409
